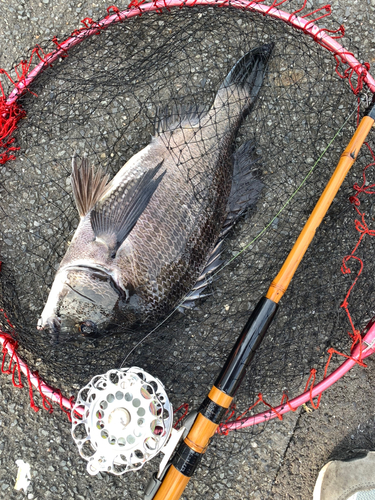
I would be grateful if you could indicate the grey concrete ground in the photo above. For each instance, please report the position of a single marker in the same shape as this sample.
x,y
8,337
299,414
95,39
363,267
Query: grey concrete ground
x,y
284,460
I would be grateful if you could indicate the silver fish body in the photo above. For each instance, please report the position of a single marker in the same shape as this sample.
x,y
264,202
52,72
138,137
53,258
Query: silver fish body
x,y
145,237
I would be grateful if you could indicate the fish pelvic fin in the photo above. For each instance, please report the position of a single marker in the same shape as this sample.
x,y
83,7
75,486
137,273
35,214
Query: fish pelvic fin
x,y
118,213
88,185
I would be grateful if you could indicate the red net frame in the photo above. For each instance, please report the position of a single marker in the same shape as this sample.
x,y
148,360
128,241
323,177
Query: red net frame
x,y
347,67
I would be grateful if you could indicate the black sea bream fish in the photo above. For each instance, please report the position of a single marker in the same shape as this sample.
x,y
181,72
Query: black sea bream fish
x,y
146,237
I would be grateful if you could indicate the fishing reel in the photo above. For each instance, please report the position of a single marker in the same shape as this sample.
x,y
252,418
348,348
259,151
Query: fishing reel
x,y
121,420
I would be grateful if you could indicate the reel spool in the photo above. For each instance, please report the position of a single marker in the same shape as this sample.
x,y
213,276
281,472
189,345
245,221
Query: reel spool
x,y
121,420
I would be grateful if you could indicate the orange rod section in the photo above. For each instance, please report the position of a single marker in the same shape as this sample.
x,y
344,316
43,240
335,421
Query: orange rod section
x,y
198,438
200,434
173,485
282,280
219,397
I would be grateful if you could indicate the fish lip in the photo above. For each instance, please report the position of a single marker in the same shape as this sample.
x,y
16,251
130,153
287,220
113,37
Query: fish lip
x,y
53,325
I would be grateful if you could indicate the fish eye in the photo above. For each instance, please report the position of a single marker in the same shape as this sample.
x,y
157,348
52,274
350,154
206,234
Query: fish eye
x,y
88,328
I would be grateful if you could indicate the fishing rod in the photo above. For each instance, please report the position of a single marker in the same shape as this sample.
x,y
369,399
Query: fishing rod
x,y
170,483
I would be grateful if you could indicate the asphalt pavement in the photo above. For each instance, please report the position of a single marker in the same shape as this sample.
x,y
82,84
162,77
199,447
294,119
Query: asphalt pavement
x,y
283,461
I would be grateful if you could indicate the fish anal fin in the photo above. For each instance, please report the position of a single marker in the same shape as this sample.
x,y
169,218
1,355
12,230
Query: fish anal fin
x,y
88,185
207,276
113,218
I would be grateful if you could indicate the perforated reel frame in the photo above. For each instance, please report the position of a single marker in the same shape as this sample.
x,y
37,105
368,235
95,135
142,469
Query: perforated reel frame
x,y
121,420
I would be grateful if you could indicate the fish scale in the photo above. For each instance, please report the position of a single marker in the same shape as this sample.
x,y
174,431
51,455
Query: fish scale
x,y
145,238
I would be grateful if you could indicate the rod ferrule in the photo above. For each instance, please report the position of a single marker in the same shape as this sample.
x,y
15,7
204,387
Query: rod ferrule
x,y
186,460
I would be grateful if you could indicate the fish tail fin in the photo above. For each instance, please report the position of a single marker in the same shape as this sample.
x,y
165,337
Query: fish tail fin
x,y
241,87
249,71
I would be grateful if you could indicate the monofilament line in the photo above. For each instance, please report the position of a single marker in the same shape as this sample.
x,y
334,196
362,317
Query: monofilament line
x,y
261,233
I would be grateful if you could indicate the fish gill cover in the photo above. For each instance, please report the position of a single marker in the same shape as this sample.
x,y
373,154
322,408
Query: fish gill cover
x,y
101,100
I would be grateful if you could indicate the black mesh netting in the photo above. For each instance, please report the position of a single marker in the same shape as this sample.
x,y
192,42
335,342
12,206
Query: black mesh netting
x,y
102,100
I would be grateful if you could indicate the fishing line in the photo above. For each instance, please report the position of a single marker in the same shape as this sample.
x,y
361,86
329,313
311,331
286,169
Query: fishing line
x,y
290,198
264,230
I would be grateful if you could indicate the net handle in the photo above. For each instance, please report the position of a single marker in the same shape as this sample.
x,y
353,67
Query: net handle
x,y
348,157
308,27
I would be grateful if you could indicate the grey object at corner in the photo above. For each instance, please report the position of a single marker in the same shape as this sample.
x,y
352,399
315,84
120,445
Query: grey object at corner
x,y
352,479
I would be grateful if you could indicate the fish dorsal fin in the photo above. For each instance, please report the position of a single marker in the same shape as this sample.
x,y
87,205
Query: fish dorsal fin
x,y
88,186
178,116
118,213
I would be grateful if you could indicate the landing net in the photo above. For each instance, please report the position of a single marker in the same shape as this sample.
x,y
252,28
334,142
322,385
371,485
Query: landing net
x,y
100,98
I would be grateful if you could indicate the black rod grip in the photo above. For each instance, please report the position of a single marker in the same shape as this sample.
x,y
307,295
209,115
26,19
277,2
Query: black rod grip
x,y
243,352
186,460
370,111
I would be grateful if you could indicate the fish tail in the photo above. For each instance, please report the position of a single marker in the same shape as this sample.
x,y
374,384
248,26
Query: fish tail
x,y
239,90
248,73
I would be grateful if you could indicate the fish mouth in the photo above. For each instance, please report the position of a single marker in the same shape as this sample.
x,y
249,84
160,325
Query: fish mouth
x,y
61,333
53,325
89,329
57,321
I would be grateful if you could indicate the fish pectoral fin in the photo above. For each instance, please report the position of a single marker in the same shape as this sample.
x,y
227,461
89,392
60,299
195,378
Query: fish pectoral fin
x,y
118,213
88,186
